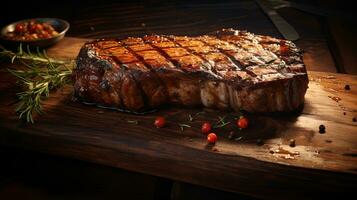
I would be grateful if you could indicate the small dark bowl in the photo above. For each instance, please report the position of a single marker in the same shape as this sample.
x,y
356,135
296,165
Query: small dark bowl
x,y
61,26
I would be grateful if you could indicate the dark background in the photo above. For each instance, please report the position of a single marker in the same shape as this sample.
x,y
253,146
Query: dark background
x,y
328,42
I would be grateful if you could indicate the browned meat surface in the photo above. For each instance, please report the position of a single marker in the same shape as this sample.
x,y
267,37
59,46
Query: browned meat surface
x,y
227,70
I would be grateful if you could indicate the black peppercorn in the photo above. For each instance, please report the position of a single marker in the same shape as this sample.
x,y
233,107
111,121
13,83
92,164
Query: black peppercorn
x,y
347,87
354,119
322,129
292,143
260,142
231,135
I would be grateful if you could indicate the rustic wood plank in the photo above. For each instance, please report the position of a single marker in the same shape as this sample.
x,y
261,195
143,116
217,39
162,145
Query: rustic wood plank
x,y
68,48
319,162
341,32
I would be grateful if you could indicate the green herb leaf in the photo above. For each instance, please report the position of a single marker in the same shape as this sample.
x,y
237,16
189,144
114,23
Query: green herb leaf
x,y
136,122
221,122
183,125
192,117
221,125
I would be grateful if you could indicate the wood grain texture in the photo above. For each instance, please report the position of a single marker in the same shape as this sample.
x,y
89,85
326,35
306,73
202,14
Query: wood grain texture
x,y
67,48
319,162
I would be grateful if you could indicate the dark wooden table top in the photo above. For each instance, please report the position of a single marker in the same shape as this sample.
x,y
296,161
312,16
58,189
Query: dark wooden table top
x,y
328,170
319,162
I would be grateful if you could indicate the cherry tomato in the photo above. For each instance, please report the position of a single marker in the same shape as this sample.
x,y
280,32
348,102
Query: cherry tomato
x,y
206,127
19,28
212,138
45,35
242,122
34,36
54,33
39,27
50,28
159,122
31,27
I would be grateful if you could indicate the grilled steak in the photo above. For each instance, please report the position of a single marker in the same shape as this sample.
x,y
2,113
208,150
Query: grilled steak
x,y
229,69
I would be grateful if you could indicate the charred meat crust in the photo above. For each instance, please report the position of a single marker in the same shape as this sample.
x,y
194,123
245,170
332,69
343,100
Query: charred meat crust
x,y
229,69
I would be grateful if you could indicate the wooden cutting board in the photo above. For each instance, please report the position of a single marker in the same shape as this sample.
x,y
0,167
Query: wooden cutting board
x,y
257,161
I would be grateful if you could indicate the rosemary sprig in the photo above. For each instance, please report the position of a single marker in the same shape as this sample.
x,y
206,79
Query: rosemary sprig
x,y
221,125
39,76
136,122
28,55
221,122
192,117
182,126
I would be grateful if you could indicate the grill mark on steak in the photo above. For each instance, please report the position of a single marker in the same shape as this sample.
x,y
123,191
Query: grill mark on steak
x,y
105,44
151,41
185,60
175,90
286,50
138,57
252,44
157,63
248,47
221,64
127,60
133,76
166,65
207,66
293,58
236,62
182,57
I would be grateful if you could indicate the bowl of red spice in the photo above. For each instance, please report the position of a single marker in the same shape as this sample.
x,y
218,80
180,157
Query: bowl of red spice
x,y
41,32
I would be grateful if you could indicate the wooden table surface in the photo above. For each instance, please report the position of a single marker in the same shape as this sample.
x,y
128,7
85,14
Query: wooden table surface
x,y
326,163
319,162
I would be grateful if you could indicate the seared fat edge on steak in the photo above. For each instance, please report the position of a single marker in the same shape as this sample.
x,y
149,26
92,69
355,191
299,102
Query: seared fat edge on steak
x,y
227,70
